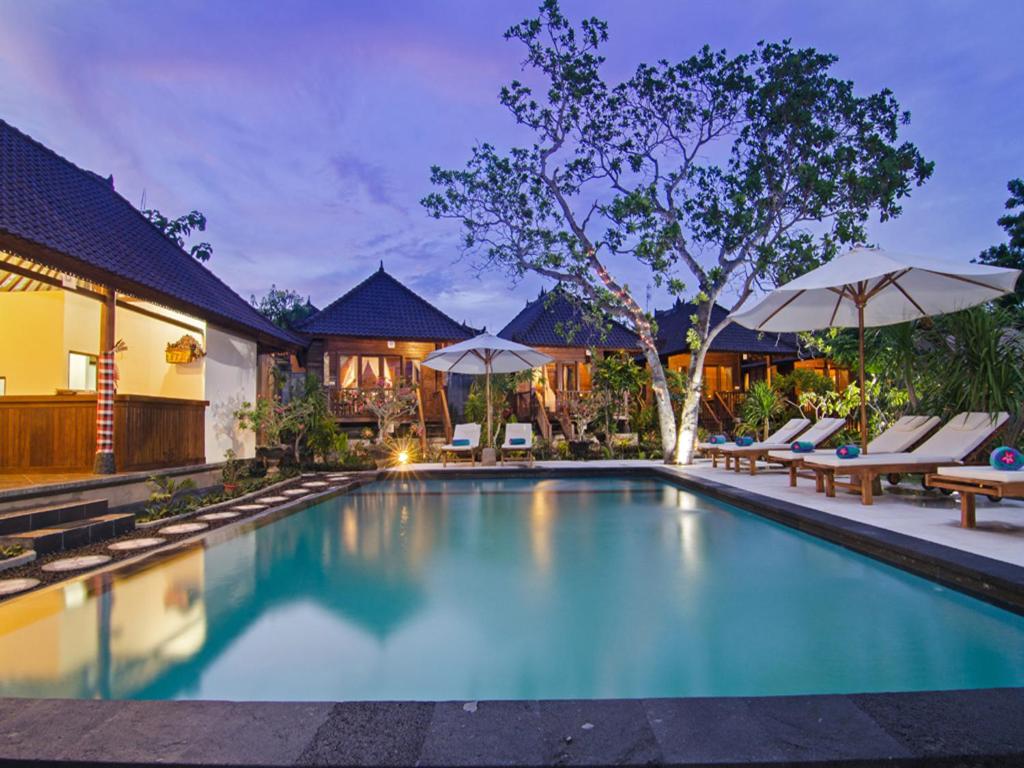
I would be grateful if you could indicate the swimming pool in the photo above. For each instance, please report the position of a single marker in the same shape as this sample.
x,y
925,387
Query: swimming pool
x,y
506,589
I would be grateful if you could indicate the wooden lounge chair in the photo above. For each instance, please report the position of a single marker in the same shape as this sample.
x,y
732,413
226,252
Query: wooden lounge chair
x,y
997,484
907,432
782,437
524,432
470,432
948,447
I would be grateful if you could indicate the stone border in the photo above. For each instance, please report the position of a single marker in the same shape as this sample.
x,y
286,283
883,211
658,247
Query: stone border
x,y
18,560
213,507
963,728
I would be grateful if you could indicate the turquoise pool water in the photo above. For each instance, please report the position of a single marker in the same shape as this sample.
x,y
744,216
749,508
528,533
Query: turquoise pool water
x,y
557,588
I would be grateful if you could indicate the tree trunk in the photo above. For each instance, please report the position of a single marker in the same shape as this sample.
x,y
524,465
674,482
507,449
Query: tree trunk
x,y
687,434
663,400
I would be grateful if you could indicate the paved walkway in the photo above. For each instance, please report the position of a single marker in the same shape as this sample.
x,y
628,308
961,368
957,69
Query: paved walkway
x,y
932,517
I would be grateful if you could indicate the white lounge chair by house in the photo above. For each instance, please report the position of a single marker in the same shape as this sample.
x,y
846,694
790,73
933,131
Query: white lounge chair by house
x,y
822,430
518,439
781,438
997,484
901,436
465,440
957,440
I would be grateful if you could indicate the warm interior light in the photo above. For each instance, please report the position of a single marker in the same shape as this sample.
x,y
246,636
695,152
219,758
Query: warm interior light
x,y
403,457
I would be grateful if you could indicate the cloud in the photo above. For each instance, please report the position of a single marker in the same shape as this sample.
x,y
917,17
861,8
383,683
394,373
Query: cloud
x,y
372,179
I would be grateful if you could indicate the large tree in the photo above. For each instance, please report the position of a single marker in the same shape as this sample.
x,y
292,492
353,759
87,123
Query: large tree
x,y
180,229
721,174
1011,253
283,307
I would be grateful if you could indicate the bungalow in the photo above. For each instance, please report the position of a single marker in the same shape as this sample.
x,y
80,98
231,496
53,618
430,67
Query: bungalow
x,y
556,324
94,298
736,359
376,335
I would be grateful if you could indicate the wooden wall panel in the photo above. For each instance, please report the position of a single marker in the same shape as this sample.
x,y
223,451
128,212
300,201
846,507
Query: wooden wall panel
x,y
58,433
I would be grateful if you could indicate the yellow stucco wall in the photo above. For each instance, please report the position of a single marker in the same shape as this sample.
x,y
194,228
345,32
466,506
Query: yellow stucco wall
x,y
39,328
143,369
31,330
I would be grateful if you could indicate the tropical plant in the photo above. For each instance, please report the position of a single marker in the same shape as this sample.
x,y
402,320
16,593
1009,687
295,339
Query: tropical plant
x,y
284,308
621,381
765,161
584,409
165,491
232,469
762,404
389,404
976,362
180,229
1011,253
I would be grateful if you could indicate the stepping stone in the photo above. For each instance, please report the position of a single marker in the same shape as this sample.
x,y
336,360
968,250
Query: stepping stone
x,y
337,477
174,530
76,563
295,491
228,515
131,544
14,586
316,484
274,499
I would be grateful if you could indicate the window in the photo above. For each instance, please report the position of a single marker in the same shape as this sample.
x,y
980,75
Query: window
x,y
3,386
81,371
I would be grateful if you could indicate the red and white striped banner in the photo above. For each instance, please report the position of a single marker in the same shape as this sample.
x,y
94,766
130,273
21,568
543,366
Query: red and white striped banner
x,y
105,386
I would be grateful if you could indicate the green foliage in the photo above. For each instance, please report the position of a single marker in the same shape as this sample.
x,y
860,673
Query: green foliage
x,y
389,405
284,308
165,491
621,383
1010,254
180,229
10,550
502,387
232,469
762,403
975,362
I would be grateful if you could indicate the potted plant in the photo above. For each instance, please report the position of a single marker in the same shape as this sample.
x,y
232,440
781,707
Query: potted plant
x,y
231,472
583,410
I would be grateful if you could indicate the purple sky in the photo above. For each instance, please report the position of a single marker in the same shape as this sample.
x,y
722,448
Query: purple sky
x,y
305,131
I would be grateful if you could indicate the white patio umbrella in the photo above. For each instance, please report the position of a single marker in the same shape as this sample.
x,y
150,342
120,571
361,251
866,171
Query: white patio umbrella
x,y
486,354
869,287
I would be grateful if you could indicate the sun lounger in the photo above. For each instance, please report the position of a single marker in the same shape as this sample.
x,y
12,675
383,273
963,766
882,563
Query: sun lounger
x,y
997,484
781,438
901,436
518,439
465,440
821,431
950,446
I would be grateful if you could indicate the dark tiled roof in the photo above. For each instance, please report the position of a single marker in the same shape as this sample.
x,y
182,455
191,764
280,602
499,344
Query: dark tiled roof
x,y
556,320
380,307
675,322
74,220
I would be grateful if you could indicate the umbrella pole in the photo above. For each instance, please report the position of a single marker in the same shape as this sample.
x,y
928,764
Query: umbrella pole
x,y
487,367
863,392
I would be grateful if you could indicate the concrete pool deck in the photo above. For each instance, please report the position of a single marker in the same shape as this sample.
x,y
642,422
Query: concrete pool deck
x,y
962,728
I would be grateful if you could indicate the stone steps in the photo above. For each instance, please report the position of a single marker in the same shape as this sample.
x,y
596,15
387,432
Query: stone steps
x,y
65,526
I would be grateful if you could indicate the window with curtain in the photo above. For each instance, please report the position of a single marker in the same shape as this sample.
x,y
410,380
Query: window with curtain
x,y
347,371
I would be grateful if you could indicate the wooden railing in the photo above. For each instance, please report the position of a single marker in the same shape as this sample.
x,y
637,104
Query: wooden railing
x,y
58,433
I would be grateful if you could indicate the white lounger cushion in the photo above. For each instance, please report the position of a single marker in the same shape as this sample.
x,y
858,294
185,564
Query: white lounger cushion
x,y
951,444
469,432
518,431
986,474
903,434
781,438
